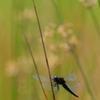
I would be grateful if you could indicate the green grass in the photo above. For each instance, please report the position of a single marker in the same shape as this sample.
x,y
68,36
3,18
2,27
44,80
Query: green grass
x,y
16,66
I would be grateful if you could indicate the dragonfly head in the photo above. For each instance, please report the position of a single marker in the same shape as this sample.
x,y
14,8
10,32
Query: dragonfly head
x,y
54,77
58,80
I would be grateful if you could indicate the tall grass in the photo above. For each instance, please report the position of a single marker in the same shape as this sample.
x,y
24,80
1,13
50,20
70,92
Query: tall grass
x,y
16,66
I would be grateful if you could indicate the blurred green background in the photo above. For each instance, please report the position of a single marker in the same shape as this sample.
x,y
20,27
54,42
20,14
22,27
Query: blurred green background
x,y
80,19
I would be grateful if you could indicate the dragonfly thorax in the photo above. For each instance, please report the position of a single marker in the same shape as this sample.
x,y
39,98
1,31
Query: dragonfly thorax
x,y
58,80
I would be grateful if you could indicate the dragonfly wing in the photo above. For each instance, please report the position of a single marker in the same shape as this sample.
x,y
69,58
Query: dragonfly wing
x,y
47,86
56,88
43,78
71,77
74,85
46,83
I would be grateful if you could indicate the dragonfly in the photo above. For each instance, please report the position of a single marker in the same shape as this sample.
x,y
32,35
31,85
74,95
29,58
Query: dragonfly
x,y
67,82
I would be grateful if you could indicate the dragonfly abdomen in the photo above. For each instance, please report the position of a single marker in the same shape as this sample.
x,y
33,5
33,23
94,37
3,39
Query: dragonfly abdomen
x,y
69,90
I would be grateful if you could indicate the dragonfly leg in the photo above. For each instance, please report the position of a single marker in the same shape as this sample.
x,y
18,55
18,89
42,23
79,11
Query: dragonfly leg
x,y
58,87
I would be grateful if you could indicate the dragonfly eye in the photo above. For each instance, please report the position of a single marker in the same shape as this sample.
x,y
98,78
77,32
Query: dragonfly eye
x,y
53,78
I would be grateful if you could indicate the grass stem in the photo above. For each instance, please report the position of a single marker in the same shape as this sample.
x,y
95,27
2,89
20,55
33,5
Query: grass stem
x,y
45,54
83,73
35,65
57,12
97,26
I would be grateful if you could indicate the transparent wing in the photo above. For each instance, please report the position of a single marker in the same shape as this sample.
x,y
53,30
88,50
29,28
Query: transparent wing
x,y
46,83
43,78
74,85
70,77
47,86
71,81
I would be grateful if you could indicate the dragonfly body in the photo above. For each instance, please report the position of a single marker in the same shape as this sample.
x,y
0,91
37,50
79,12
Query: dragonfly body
x,y
61,81
68,82
58,80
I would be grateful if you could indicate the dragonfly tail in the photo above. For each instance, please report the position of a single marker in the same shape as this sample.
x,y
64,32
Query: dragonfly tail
x,y
69,90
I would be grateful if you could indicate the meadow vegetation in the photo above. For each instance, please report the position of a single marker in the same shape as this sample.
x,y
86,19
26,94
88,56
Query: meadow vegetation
x,y
71,34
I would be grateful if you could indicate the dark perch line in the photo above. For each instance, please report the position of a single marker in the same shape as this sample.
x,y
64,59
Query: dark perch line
x,y
34,64
44,48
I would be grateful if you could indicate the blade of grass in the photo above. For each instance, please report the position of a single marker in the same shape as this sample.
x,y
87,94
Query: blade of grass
x,y
97,26
74,53
35,65
57,12
83,73
45,54
99,2
77,59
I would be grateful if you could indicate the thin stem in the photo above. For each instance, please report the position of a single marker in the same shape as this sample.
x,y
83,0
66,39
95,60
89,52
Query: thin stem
x,y
83,73
57,12
97,26
99,2
35,65
44,49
